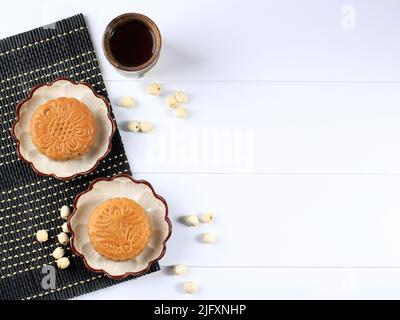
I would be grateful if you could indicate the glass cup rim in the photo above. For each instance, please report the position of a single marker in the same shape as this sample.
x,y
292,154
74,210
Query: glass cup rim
x,y
117,21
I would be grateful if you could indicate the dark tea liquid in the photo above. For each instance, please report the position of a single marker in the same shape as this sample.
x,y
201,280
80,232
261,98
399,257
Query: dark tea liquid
x,y
132,43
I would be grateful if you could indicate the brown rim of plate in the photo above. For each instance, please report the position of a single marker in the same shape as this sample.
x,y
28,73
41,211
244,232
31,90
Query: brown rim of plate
x,y
17,116
121,19
127,274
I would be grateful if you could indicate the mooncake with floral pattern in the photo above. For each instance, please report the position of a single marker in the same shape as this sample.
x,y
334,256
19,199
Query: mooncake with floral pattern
x,y
63,129
119,229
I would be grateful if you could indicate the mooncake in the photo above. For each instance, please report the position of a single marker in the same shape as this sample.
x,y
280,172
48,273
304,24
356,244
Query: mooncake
x,y
119,229
63,129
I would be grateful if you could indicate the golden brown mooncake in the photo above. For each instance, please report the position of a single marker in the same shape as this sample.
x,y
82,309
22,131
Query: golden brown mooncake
x,y
63,128
119,229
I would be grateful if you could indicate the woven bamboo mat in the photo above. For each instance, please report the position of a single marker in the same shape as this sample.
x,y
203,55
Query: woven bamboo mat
x,y
29,202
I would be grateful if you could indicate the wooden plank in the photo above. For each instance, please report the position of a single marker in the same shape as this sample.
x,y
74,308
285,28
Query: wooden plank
x,y
266,128
267,40
256,283
284,221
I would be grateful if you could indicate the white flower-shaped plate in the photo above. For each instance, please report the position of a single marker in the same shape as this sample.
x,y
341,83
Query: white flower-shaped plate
x,y
64,170
120,186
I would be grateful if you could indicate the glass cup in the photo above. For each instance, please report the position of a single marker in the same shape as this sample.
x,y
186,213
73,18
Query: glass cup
x,y
137,70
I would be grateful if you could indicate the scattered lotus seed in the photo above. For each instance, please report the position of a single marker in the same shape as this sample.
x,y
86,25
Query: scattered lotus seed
x,y
154,89
207,217
192,221
42,236
181,97
64,212
209,238
63,263
179,269
63,238
181,112
190,287
65,228
145,126
127,102
58,253
172,102
134,126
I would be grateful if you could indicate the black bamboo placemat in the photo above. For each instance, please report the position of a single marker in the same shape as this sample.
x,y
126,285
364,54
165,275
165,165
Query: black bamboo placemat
x,y
29,202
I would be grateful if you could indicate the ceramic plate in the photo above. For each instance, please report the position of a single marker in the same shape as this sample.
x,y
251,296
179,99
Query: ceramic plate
x,y
69,169
120,186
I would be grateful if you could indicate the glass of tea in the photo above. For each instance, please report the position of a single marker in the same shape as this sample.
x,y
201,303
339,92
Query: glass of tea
x,y
132,43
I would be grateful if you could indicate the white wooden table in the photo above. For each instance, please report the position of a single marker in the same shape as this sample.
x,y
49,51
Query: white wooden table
x,y
293,141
